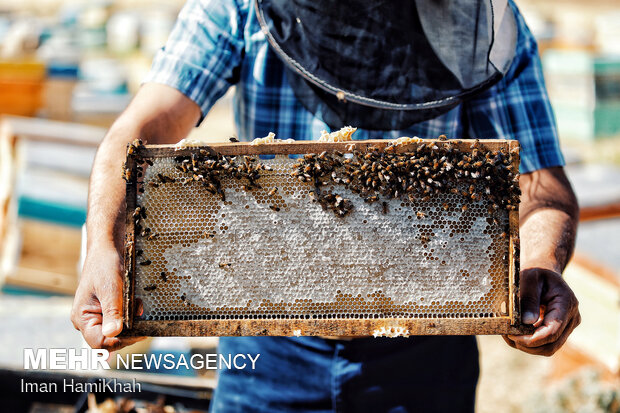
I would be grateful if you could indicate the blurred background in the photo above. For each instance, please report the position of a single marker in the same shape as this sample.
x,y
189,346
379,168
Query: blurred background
x,y
69,67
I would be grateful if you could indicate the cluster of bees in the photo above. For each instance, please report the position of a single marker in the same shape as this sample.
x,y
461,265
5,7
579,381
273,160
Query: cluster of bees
x,y
139,213
209,168
133,152
138,216
431,168
320,169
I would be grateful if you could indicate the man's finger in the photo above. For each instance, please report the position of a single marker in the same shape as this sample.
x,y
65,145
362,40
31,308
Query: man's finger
x,y
116,343
531,289
509,342
554,323
95,339
111,298
545,334
551,348
91,330
561,311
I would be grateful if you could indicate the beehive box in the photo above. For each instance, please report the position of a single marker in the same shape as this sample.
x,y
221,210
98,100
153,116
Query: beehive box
x,y
359,238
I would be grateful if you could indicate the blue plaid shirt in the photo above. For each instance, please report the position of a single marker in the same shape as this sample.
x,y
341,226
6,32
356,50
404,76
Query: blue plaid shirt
x,y
216,44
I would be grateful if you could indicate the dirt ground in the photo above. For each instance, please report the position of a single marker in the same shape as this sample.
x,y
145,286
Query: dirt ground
x,y
513,382
508,377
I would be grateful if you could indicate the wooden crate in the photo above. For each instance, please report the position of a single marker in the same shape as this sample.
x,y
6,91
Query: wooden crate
x,y
40,239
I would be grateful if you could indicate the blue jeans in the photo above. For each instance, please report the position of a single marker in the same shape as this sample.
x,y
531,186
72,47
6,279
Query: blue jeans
x,y
310,374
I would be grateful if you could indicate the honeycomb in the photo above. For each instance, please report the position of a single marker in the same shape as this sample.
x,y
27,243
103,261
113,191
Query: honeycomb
x,y
271,252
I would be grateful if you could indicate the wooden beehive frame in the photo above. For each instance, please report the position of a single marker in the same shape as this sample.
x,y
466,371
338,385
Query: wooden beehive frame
x,y
510,324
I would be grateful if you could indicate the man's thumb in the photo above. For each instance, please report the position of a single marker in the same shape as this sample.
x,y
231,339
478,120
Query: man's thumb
x,y
111,305
531,289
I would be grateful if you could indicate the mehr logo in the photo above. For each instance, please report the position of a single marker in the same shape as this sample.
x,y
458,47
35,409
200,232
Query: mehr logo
x,y
65,359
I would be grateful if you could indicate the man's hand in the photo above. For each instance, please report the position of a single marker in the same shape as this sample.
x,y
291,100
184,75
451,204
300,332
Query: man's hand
x,y
549,304
98,305
548,217
157,114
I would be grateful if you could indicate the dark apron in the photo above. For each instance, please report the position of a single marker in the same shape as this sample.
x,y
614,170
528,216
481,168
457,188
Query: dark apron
x,y
385,65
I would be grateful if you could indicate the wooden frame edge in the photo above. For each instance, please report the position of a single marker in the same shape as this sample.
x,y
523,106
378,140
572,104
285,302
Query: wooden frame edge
x,y
513,270
514,247
130,238
330,328
302,147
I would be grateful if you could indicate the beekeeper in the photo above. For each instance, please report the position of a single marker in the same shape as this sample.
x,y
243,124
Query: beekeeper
x,y
396,68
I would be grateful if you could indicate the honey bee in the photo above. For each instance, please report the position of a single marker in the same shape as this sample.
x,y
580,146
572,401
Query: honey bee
x,y
275,208
273,191
339,201
150,287
224,264
144,263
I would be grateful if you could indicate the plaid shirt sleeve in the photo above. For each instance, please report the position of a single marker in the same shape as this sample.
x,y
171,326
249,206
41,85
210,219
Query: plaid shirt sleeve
x,y
518,108
203,52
